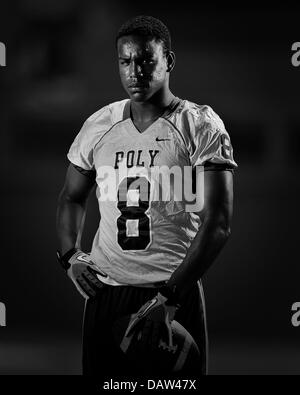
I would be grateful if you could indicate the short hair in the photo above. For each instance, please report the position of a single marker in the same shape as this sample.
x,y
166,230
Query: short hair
x,y
146,26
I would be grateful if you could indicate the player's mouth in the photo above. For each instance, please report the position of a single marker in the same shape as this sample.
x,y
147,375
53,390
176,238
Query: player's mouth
x,y
137,87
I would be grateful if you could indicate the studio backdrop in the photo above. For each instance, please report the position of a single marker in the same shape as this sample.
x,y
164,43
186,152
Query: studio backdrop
x,y
58,65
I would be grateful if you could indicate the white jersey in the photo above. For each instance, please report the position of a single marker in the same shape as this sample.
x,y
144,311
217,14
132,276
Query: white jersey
x,y
144,233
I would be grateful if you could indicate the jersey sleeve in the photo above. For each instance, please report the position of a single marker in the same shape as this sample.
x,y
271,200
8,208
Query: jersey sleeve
x,y
81,150
211,142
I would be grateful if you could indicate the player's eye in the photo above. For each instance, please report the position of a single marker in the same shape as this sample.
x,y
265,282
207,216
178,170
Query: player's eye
x,y
125,62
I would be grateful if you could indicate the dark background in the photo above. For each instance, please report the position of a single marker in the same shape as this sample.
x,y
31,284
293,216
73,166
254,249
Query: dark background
x,y
61,67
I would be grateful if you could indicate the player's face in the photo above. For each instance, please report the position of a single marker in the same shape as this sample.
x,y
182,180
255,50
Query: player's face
x,y
143,67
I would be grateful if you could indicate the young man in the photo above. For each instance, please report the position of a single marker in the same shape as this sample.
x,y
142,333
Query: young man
x,y
146,248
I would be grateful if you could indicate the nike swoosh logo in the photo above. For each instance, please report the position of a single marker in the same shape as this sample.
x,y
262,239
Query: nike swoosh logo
x,y
82,258
85,259
158,139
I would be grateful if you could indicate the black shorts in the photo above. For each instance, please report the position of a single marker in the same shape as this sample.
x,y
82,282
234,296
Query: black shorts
x,y
101,357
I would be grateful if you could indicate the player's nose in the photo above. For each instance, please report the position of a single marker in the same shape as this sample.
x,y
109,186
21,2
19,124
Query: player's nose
x,y
135,70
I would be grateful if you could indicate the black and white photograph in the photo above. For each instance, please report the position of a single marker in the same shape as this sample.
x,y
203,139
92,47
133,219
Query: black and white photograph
x,y
150,191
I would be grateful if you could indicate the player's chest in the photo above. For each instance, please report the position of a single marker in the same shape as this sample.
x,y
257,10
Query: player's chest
x,y
124,146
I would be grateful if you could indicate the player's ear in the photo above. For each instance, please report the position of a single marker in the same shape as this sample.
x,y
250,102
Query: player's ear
x,y
171,59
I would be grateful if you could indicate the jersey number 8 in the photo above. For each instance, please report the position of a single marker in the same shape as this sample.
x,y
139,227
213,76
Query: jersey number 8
x,y
135,212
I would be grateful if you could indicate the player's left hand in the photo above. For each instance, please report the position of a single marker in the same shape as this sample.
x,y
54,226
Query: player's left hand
x,y
153,321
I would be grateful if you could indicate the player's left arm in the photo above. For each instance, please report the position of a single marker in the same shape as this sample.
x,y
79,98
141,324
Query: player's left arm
x,y
208,242
213,233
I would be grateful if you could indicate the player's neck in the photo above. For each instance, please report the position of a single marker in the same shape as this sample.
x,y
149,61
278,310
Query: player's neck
x,y
149,110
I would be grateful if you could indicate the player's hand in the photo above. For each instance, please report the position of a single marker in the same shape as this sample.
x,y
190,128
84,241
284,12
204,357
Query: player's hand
x,y
153,322
82,271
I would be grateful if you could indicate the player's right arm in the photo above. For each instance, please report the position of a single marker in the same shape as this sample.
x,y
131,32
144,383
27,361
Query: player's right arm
x,y
72,203
70,218
71,207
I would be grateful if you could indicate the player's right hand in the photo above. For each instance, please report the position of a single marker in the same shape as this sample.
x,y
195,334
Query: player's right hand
x,y
82,271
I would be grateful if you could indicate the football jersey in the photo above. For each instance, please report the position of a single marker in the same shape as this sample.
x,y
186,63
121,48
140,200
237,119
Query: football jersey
x,y
145,229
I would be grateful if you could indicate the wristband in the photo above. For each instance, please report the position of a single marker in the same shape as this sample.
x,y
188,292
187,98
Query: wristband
x,y
64,259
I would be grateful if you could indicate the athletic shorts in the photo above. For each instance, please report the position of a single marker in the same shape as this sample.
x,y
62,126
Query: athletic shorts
x,y
101,357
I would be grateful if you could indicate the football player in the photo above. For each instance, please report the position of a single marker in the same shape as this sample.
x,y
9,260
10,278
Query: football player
x,y
150,252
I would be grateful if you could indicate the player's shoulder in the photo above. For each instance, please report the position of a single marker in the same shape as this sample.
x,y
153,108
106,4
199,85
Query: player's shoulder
x,y
100,122
202,116
108,115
